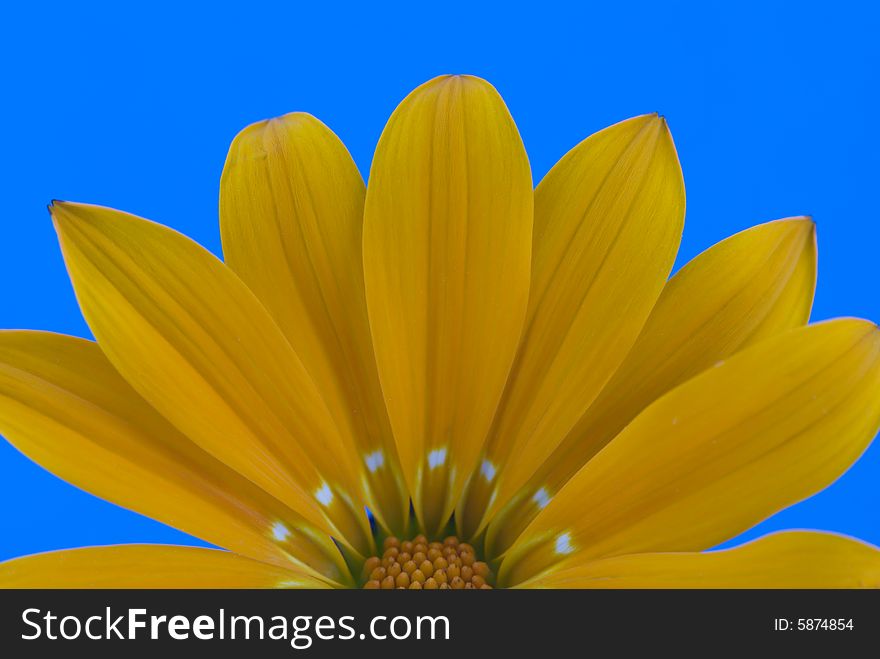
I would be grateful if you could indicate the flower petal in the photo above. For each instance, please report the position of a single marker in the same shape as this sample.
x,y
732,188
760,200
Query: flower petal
x,y
148,566
63,405
608,220
447,240
792,559
755,284
771,426
190,337
291,218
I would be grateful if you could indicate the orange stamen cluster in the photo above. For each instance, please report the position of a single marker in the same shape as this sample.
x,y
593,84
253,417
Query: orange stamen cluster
x,y
421,565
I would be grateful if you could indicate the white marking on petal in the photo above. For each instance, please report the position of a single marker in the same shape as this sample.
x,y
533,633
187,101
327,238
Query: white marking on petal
x,y
488,470
324,495
541,497
375,460
437,457
280,532
290,584
563,544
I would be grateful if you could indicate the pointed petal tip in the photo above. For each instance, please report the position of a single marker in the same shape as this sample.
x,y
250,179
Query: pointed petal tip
x,y
63,213
810,224
807,220
867,327
55,205
869,330
663,126
653,123
804,223
58,211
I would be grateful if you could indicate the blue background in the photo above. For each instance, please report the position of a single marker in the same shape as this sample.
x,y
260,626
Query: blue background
x,y
773,108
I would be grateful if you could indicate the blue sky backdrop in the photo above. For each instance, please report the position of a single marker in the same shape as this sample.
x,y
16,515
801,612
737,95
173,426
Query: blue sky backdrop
x,y
772,106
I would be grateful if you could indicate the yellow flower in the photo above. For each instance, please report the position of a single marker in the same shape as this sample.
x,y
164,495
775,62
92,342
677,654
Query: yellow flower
x,y
513,362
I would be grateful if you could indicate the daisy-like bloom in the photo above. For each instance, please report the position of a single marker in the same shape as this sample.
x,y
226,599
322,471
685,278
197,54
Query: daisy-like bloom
x,y
446,379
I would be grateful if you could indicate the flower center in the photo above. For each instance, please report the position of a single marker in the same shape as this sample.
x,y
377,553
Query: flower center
x,y
421,565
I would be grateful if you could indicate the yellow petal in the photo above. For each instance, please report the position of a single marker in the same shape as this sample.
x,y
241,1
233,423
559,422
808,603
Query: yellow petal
x,y
608,220
770,427
755,284
792,559
148,566
190,337
291,219
447,239
63,405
